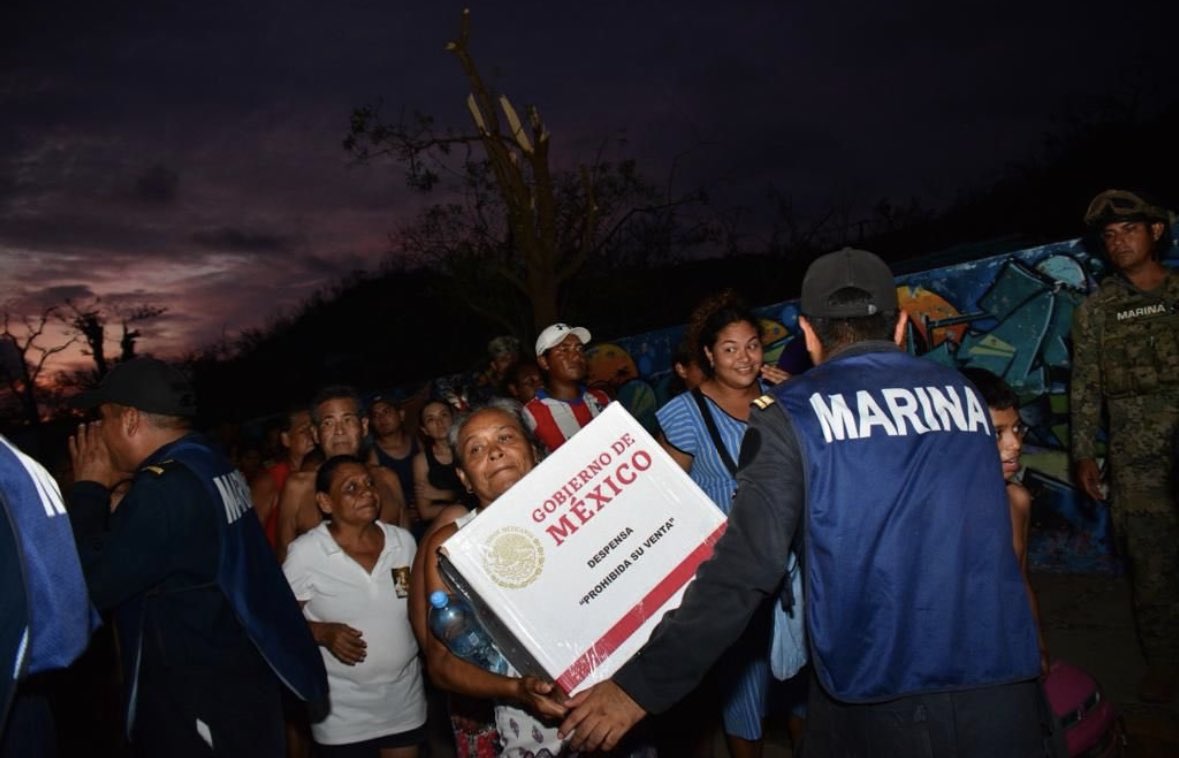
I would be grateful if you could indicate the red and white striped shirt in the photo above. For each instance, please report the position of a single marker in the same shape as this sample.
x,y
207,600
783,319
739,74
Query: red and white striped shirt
x,y
554,421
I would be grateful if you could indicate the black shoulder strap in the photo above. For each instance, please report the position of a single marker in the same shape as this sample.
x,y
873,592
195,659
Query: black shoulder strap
x,y
713,432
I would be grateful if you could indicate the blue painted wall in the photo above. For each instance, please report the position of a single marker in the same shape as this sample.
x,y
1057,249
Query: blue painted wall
x,y
1009,314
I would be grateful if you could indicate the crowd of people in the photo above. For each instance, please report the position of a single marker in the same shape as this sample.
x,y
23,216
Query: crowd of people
x,y
287,612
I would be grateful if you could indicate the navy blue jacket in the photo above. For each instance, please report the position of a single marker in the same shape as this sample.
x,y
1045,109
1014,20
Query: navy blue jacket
x,y
772,498
158,561
912,584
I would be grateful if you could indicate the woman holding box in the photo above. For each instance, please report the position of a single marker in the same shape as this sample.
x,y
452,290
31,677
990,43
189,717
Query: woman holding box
x,y
493,452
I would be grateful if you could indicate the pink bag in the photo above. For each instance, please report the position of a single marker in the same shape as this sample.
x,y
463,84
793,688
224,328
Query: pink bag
x,y
1089,721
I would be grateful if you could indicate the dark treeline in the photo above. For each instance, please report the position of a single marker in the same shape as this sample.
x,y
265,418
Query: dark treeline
x,y
1044,198
401,326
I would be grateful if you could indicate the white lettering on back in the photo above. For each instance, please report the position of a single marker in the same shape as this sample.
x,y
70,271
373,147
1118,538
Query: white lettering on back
x,y
903,407
837,421
894,410
235,494
871,415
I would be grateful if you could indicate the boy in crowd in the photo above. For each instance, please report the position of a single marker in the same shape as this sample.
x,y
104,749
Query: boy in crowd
x,y
1010,430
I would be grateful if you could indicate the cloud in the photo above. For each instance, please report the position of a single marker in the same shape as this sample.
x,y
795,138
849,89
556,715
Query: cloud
x,y
334,265
241,240
34,301
157,185
62,292
189,153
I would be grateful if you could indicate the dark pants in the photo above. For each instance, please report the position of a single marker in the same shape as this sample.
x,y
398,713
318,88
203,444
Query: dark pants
x,y
29,729
1004,720
1150,544
180,713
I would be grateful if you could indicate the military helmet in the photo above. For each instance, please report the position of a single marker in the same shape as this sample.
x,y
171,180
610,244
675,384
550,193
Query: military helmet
x,y
1122,205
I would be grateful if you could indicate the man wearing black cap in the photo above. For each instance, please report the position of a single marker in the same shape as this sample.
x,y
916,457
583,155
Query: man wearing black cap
x,y
1126,362
920,633
203,611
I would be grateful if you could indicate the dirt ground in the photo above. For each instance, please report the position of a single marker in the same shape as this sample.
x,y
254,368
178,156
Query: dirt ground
x,y
1087,622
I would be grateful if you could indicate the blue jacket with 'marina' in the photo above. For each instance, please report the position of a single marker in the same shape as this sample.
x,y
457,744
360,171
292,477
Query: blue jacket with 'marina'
x,y
912,584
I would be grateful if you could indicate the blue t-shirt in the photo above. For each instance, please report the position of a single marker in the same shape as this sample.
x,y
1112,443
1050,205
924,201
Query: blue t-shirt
x,y
685,430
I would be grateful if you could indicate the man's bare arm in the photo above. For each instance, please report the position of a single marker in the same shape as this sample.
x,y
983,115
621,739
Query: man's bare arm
x,y
293,511
264,492
393,510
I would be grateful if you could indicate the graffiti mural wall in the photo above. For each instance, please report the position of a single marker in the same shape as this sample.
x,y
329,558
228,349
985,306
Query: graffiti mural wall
x,y
1009,314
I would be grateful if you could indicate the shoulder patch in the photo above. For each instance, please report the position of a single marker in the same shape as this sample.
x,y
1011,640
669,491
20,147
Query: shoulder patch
x,y
158,468
765,401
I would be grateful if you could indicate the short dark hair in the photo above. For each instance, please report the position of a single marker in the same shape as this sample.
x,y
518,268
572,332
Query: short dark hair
x,y
684,356
323,477
167,421
514,371
333,392
287,420
996,393
836,332
381,400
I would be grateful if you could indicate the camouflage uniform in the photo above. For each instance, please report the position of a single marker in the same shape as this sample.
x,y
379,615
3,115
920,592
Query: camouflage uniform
x,y
1126,355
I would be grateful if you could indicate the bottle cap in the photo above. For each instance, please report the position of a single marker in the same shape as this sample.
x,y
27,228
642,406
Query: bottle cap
x,y
439,599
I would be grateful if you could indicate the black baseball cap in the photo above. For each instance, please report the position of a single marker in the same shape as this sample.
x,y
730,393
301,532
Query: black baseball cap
x,y
148,384
842,269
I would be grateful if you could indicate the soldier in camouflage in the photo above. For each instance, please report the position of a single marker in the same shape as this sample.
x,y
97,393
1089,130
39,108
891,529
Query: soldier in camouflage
x,y
1126,361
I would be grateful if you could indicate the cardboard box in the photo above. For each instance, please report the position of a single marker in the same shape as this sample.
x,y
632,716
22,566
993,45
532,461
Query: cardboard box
x,y
573,567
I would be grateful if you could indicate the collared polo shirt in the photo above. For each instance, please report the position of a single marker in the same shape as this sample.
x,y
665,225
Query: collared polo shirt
x,y
382,694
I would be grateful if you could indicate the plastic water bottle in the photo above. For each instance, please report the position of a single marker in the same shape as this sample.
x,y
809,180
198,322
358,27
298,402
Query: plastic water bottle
x,y
453,621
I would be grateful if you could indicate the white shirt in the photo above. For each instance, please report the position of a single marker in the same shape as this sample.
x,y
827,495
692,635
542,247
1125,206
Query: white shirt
x,y
382,694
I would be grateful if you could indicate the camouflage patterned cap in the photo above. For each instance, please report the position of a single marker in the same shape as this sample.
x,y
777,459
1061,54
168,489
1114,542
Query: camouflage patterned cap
x,y
503,345
1122,205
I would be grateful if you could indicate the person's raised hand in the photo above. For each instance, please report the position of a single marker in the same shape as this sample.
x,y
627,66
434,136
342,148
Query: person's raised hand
x,y
600,717
772,374
90,456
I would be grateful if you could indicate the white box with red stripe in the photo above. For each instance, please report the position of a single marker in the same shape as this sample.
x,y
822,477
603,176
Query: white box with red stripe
x,y
571,569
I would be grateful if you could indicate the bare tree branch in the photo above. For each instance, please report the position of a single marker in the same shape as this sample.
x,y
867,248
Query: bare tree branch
x,y
30,358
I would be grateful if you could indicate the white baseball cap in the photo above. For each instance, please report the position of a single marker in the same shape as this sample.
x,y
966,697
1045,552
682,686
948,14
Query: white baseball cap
x,y
555,334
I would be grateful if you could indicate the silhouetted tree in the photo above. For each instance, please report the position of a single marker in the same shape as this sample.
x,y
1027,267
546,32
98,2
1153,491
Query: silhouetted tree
x,y
89,321
524,231
23,359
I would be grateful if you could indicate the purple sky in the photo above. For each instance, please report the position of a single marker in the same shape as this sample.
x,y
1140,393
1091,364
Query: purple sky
x,y
187,154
